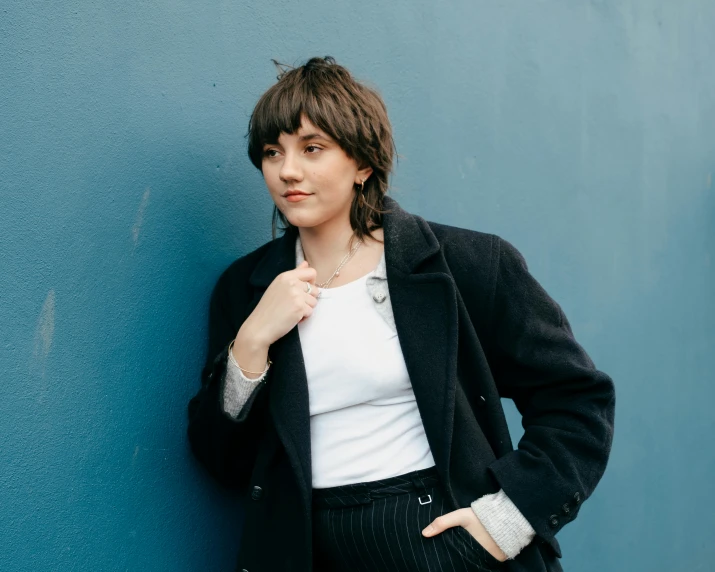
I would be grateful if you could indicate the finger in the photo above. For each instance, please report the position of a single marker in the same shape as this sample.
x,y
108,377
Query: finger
x,y
303,286
306,274
442,523
311,300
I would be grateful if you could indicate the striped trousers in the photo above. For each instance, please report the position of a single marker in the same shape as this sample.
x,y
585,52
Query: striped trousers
x,y
376,526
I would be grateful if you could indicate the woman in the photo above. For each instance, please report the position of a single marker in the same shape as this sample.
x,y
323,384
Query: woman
x,y
373,437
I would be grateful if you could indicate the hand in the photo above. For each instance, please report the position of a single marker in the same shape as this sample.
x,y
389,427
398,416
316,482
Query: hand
x,y
466,518
284,304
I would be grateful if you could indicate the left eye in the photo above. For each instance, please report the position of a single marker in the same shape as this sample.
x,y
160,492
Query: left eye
x,y
312,148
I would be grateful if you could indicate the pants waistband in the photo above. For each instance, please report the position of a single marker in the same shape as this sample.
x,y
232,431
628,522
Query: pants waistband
x,y
364,493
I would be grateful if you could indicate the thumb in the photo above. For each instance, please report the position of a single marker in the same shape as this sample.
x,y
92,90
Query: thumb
x,y
442,523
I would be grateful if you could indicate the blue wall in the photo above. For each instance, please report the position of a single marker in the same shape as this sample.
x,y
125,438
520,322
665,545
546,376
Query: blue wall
x,y
583,132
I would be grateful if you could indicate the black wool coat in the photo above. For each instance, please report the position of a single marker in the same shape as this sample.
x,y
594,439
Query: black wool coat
x,y
474,326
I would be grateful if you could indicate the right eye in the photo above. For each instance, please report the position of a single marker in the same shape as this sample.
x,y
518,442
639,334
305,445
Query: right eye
x,y
270,153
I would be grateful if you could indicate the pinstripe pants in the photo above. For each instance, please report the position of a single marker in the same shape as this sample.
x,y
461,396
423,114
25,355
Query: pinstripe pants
x,y
376,526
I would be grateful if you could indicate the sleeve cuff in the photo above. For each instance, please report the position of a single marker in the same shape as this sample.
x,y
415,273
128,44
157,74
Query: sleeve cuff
x,y
238,388
504,522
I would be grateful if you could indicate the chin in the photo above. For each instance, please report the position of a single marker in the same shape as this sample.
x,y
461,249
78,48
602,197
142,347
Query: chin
x,y
312,216
303,220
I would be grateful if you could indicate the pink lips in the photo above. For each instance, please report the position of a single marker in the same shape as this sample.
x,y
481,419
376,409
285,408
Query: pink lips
x,y
296,197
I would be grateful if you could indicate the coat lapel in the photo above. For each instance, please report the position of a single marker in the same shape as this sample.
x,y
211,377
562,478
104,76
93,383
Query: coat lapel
x,y
424,305
288,385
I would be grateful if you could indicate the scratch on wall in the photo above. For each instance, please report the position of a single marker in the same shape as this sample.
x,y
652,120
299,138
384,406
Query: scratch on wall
x,y
44,332
139,221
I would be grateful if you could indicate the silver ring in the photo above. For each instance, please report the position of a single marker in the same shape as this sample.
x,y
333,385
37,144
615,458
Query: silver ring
x,y
309,288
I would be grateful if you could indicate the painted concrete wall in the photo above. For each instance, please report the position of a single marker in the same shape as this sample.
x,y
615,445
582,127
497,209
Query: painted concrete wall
x,y
580,131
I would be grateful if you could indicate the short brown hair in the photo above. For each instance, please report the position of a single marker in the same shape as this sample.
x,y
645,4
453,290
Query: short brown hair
x,y
350,112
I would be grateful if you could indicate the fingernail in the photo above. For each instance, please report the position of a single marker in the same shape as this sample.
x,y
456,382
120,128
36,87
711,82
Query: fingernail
x,y
428,530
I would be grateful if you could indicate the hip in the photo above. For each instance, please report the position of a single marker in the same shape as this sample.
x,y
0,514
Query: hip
x,y
378,525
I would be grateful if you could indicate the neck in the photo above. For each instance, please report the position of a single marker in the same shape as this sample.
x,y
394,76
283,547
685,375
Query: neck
x,y
325,246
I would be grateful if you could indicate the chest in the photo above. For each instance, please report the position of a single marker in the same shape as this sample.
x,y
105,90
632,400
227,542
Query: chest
x,y
351,353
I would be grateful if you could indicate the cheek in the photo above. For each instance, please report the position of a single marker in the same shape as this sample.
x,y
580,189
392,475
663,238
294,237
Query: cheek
x,y
338,180
271,179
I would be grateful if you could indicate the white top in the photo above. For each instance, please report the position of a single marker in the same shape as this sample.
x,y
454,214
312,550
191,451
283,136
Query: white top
x,y
364,421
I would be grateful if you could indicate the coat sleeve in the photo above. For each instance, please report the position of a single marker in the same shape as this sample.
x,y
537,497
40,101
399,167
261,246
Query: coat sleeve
x,y
567,405
225,445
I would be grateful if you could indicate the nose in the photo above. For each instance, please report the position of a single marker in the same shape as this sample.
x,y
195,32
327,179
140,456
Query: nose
x,y
290,168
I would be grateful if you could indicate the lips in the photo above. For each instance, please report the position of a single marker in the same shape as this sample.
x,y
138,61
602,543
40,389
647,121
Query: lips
x,y
296,196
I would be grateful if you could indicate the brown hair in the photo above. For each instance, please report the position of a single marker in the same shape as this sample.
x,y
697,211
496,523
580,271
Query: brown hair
x,y
350,112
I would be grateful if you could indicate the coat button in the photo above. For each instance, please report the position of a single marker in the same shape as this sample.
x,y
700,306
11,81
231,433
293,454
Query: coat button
x,y
379,297
566,508
577,497
554,520
244,570
256,493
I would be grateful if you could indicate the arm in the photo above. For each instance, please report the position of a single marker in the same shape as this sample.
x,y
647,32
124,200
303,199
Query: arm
x,y
567,405
505,524
237,387
226,445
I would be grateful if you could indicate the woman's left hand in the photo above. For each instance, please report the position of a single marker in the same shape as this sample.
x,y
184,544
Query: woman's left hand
x,y
466,518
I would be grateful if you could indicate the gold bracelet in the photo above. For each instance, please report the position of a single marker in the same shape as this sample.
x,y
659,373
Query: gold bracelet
x,y
233,359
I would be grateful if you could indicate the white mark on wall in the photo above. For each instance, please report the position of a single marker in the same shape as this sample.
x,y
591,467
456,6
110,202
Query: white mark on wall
x,y
44,332
139,221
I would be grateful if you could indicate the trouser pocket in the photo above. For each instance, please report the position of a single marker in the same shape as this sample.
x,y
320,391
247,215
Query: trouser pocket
x,y
474,552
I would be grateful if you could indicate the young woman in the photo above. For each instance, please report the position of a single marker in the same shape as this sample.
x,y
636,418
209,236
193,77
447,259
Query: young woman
x,y
356,365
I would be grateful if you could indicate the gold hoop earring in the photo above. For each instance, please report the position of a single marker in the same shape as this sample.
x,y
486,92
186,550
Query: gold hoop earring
x,y
361,196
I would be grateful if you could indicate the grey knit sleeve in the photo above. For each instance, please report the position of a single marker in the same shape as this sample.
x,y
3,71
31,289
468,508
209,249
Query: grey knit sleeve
x,y
237,388
504,522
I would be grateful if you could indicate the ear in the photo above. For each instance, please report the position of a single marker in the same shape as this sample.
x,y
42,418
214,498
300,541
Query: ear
x,y
363,175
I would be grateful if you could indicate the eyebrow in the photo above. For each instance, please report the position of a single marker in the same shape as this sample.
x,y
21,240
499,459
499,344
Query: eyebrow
x,y
306,137
309,136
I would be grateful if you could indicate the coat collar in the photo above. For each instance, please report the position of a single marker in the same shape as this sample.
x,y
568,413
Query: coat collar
x,y
424,304
407,245
379,272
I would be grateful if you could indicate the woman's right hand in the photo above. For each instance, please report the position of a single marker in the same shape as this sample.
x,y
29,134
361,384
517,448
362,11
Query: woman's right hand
x,y
284,304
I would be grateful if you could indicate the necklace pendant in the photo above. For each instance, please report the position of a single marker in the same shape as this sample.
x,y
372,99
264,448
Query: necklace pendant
x,y
337,273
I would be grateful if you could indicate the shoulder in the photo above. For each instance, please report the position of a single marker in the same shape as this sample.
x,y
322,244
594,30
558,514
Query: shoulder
x,y
466,246
481,264
468,253
457,238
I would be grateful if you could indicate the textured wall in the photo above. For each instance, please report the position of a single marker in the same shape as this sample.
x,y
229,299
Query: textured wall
x,y
580,131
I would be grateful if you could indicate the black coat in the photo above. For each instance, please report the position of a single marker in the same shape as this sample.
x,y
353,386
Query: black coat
x,y
473,326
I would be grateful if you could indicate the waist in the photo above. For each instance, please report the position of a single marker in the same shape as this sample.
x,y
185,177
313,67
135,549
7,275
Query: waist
x,y
365,492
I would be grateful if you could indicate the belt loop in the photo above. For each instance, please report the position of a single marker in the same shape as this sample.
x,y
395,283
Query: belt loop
x,y
422,495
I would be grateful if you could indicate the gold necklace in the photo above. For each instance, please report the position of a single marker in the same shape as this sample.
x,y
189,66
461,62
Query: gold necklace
x,y
343,262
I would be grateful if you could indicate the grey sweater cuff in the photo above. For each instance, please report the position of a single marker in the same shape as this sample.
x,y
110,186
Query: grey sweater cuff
x,y
504,522
237,388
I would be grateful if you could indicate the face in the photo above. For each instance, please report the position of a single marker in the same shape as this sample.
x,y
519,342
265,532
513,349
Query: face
x,y
310,177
